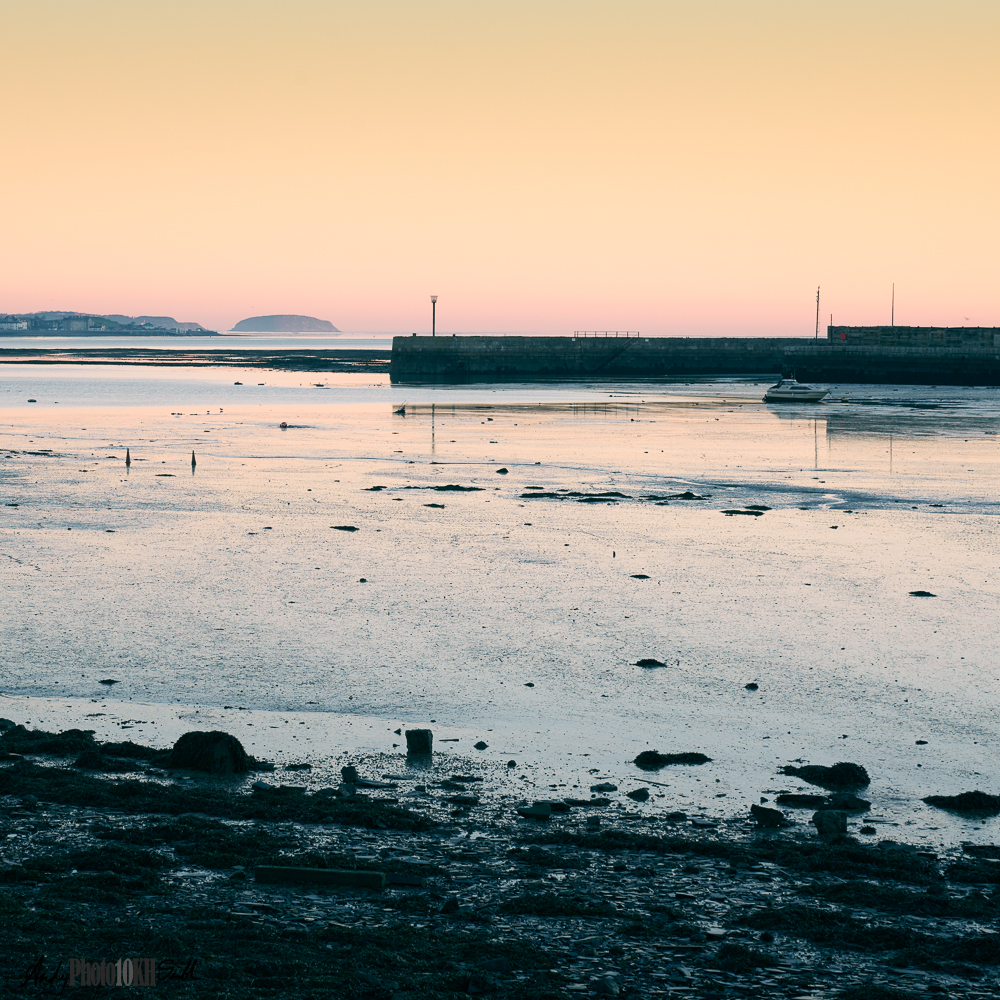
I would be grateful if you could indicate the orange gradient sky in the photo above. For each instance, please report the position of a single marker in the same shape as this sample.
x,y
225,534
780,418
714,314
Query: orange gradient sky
x,y
683,168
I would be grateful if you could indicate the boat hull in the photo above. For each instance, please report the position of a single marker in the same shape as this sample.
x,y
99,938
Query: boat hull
x,y
813,396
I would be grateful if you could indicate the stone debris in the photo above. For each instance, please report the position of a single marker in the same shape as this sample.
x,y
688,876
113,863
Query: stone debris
x,y
643,901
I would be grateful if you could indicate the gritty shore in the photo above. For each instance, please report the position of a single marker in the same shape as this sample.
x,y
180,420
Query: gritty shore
x,y
111,853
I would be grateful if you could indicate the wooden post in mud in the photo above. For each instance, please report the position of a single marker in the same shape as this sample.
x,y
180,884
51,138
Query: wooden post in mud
x,y
128,458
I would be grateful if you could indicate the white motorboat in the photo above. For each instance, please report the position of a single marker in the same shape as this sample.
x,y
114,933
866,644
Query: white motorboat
x,y
790,391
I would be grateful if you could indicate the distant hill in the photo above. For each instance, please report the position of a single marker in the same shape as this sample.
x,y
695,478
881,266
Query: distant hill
x,y
284,324
160,322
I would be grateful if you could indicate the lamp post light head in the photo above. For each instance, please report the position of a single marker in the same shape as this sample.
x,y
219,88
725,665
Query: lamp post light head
x,y
434,298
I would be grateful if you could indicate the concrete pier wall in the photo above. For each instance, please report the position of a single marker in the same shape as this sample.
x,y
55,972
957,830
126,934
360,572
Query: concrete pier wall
x,y
974,361
500,359
895,365
968,337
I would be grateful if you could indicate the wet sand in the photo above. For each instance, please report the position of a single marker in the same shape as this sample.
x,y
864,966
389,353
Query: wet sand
x,y
232,586
734,543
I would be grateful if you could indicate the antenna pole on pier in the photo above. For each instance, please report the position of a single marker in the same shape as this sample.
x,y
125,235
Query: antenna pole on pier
x,y
817,312
892,321
434,305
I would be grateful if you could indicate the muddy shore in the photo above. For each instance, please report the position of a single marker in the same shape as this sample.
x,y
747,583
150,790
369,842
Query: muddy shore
x,y
109,853
345,360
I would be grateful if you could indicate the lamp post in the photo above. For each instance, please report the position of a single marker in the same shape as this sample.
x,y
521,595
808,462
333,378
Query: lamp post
x,y
434,305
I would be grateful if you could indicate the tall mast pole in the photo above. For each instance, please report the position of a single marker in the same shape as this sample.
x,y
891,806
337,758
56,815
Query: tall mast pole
x,y
893,320
817,312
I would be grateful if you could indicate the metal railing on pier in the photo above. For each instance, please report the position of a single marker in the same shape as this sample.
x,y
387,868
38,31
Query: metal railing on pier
x,y
605,333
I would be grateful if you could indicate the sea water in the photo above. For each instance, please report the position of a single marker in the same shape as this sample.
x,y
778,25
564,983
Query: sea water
x,y
228,594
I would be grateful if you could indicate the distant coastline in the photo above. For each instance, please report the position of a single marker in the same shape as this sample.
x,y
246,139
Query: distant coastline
x,y
77,324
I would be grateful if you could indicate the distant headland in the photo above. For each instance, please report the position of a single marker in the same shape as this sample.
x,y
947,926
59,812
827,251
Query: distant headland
x,y
88,324
284,324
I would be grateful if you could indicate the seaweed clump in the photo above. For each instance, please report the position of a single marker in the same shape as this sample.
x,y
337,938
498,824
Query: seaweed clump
x,y
31,741
976,803
650,760
739,958
214,753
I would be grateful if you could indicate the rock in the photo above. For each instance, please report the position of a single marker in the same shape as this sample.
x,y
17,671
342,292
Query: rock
x,y
348,790
6,724
540,810
501,472
607,987
90,760
29,801
803,801
320,876
649,661
451,905
343,527
767,818
419,741
556,806
593,822
968,802
842,775
639,794
604,786
481,745
108,681
298,767
464,800
495,965
847,803
830,823
263,786
752,686
349,773
921,593
650,760
214,753
512,763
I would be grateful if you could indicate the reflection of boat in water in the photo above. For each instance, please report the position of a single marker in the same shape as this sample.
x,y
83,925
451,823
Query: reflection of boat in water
x,y
790,391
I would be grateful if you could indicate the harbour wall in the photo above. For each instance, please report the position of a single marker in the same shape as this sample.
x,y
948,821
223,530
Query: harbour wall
x,y
895,365
977,338
526,359
506,359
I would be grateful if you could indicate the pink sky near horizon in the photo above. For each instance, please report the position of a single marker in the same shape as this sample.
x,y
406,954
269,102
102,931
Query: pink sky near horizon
x,y
682,168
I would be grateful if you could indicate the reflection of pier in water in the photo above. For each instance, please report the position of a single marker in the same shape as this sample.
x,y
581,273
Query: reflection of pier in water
x,y
901,420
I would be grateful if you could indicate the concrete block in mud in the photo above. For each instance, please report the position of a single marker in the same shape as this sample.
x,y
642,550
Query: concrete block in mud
x,y
419,741
320,876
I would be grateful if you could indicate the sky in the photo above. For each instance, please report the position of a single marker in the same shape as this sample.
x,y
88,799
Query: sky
x,y
677,167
